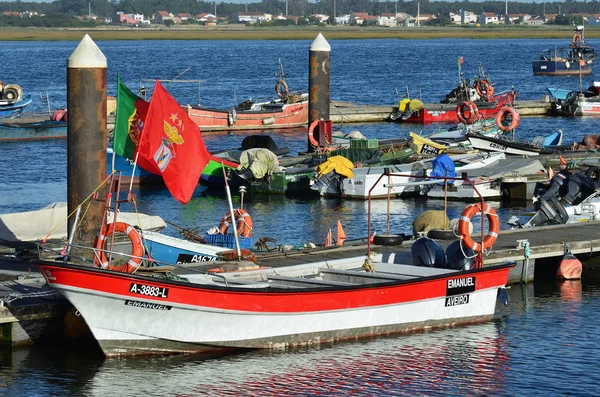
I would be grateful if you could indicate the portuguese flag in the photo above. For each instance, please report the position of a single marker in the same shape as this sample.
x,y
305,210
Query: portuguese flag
x,y
129,121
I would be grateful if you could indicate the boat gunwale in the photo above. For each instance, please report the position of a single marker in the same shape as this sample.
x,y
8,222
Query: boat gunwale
x,y
270,289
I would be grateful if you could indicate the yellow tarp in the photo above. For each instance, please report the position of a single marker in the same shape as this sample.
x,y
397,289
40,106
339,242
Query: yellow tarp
x,y
403,105
415,104
339,164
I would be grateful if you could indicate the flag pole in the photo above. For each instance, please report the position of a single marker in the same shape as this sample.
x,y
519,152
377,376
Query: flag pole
x,y
233,222
137,153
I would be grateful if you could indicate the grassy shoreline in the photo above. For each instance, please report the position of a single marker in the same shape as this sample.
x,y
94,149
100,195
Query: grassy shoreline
x,y
234,32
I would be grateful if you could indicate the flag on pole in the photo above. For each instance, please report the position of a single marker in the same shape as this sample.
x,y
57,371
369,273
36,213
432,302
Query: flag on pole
x,y
129,121
172,143
461,60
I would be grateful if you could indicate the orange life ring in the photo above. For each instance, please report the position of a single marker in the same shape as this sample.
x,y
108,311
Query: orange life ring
x,y
311,137
465,221
484,89
281,84
137,248
243,223
507,119
467,112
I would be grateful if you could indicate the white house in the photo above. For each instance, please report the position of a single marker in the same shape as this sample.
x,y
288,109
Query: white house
x,y
488,18
387,19
343,20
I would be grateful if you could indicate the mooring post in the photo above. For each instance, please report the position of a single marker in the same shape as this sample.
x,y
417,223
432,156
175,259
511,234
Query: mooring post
x,y
86,135
318,83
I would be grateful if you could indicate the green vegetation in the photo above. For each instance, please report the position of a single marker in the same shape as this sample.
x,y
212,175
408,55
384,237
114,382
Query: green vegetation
x,y
239,32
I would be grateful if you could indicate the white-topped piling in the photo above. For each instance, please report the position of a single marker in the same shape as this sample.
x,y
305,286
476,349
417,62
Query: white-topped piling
x,y
86,134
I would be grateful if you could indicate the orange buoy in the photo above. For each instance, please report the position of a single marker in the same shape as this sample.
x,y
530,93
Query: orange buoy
x,y
570,268
507,119
484,89
467,112
243,223
465,221
137,248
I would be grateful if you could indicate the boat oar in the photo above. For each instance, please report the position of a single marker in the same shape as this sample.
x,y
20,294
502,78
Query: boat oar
x,y
233,221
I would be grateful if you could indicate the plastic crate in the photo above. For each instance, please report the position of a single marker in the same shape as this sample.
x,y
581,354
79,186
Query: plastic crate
x,y
364,143
227,240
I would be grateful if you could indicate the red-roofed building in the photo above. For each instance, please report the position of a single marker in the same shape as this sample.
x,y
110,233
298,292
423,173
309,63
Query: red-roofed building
x,y
162,16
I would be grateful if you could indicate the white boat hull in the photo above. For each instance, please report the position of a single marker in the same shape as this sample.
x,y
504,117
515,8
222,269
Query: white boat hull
x,y
130,314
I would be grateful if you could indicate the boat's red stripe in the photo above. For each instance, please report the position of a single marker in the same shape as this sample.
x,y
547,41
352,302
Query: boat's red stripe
x,y
273,301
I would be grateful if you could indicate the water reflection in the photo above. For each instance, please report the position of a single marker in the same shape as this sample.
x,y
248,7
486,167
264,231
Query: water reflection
x,y
430,363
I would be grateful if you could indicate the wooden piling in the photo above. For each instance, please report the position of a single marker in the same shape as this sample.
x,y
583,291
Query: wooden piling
x,y
86,134
318,82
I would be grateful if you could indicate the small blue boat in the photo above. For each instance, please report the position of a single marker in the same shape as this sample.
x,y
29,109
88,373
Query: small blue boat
x,y
19,130
575,59
13,108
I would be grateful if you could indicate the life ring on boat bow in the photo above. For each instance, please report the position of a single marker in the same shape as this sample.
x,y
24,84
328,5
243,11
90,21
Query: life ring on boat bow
x,y
484,89
281,89
507,119
243,223
465,221
467,112
137,248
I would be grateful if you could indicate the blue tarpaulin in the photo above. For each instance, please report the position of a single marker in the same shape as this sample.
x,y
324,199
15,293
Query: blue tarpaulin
x,y
443,166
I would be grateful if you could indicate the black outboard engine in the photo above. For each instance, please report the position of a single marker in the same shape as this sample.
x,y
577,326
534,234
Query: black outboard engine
x,y
549,212
579,187
565,190
428,253
456,259
557,188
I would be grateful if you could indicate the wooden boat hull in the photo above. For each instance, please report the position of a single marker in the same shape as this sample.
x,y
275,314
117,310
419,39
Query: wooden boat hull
x,y
132,314
287,116
15,131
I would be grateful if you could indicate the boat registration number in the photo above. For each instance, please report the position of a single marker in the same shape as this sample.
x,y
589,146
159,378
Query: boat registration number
x,y
497,146
149,290
426,149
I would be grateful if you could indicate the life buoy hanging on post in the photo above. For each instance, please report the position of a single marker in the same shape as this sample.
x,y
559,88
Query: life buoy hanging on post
x,y
243,223
467,112
465,221
484,89
325,127
507,119
281,89
137,248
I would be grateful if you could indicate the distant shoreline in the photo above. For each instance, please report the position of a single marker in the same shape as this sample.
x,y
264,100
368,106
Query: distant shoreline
x,y
240,32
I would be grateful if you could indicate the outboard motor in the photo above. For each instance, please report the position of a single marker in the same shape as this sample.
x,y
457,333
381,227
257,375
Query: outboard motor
x,y
428,253
557,188
579,187
550,212
459,258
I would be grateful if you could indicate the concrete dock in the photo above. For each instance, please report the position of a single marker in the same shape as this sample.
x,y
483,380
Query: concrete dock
x,y
346,112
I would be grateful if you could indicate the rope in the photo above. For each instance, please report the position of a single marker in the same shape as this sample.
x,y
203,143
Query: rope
x,y
368,266
75,209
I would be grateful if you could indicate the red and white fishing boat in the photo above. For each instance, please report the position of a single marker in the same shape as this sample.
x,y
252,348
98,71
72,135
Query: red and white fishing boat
x,y
321,302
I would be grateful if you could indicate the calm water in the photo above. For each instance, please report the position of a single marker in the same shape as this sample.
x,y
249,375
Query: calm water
x,y
545,343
